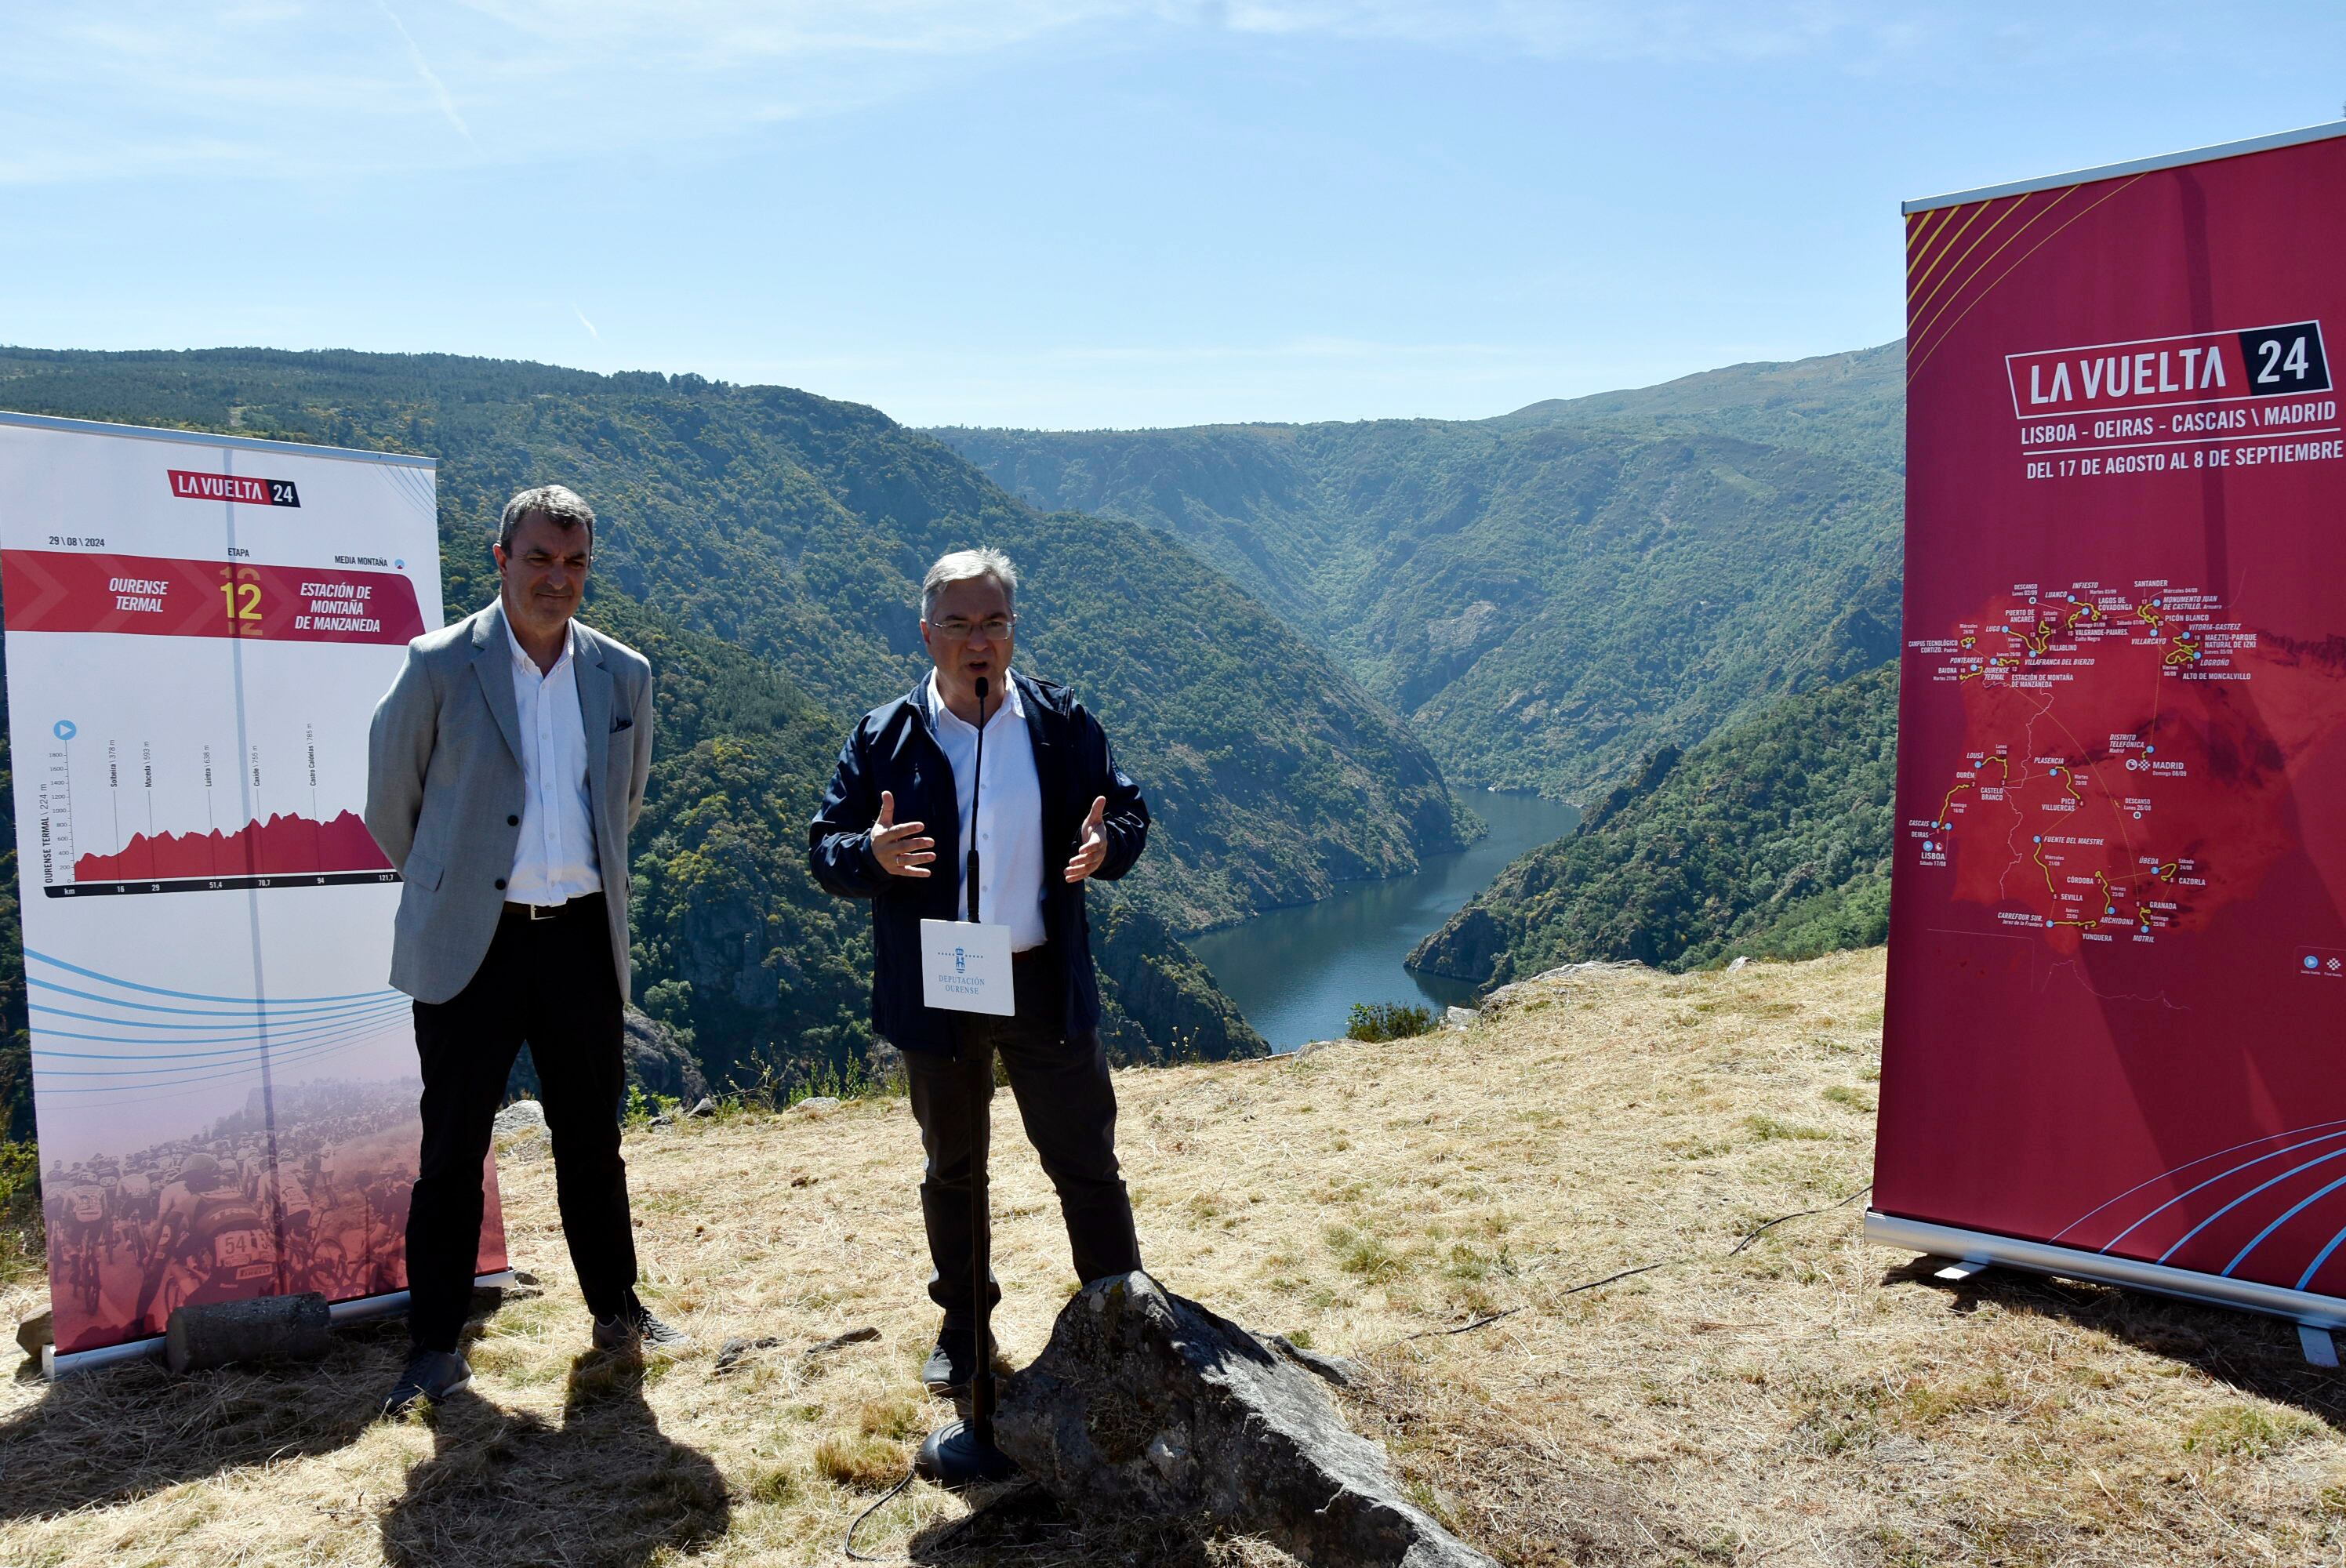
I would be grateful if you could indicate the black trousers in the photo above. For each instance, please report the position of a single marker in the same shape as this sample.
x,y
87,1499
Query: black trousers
x,y
549,983
1069,1105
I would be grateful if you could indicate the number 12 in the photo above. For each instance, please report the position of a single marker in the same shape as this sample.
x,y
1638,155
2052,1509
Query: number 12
x,y
243,615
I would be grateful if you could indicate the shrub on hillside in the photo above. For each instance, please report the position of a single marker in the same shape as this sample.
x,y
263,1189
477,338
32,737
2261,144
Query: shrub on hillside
x,y
23,1244
1387,1021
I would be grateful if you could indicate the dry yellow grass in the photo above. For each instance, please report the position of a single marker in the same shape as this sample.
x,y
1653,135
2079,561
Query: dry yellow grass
x,y
1814,1399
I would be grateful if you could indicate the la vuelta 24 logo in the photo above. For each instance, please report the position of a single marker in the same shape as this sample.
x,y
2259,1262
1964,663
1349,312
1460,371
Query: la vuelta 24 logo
x,y
2159,373
2200,399
189,485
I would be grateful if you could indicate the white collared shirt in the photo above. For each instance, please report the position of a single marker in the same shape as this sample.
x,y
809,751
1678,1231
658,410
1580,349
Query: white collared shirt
x,y
1009,828
554,859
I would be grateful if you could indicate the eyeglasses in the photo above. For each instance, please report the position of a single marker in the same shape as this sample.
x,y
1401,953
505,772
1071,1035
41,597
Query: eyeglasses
x,y
958,628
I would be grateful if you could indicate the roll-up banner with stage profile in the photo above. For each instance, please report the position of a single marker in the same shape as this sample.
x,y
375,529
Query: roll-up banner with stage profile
x,y
197,630
2118,948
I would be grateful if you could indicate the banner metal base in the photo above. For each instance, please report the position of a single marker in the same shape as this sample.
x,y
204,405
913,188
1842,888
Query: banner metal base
x,y
2315,1316
360,1310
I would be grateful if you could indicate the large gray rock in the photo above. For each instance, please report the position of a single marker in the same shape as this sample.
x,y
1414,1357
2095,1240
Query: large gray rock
x,y
1507,995
660,1060
1147,1402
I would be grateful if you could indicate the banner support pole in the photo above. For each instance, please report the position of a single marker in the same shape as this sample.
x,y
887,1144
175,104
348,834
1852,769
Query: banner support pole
x,y
1974,1250
389,1304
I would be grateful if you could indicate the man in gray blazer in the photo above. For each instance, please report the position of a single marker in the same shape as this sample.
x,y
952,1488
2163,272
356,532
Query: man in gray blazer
x,y
504,768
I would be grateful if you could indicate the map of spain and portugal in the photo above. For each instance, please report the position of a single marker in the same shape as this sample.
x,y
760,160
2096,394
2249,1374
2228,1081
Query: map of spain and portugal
x,y
2128,754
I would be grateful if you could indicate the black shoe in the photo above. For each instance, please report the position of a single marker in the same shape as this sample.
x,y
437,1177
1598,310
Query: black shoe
x,y
953,1363
637,1329
431,1375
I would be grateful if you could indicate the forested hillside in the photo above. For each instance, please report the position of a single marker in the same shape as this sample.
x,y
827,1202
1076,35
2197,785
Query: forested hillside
x,y
765,547
1550,595
1772,838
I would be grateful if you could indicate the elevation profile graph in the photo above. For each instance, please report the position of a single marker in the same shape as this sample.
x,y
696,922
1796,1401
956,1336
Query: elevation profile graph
x,y
256,854
120,816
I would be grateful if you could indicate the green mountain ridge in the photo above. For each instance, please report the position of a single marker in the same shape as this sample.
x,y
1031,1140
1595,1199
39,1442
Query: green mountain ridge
x,y
764,546
1549,596
1771,838
1850,405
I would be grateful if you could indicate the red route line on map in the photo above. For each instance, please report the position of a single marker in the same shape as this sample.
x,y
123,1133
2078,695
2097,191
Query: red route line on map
x,y
2039,637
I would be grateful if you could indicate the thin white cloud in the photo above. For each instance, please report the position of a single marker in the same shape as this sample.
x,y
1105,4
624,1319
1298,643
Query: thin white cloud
x,y
424,69
305,88
586,324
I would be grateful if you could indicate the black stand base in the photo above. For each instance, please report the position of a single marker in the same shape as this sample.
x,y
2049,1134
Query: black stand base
x,y
957,1458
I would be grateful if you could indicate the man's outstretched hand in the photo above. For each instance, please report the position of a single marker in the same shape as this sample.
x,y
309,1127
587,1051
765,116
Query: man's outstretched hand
x,y
901,849
1094,847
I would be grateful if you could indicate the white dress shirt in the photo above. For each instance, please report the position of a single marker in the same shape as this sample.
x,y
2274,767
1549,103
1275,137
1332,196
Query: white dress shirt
x,y
555,859
1009,828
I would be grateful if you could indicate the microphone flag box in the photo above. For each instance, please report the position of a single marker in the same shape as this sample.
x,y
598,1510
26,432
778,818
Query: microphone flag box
x,y
965,967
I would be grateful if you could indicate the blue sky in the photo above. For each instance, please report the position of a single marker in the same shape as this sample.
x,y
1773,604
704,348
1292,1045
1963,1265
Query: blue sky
x,y
1067,213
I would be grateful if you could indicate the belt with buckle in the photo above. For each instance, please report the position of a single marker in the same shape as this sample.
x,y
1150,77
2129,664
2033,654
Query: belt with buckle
x,y
550,912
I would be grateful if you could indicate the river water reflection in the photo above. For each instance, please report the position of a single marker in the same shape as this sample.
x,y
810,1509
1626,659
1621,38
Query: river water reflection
x,y
1296,973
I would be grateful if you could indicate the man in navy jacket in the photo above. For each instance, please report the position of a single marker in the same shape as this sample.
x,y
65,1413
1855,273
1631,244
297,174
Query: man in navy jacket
x,y
1053,811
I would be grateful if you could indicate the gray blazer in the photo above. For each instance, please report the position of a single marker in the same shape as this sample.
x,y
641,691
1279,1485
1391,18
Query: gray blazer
x,y
445,791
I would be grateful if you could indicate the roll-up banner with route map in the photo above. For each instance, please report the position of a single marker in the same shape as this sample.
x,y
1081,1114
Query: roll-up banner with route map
x,y
197,630
2115,1042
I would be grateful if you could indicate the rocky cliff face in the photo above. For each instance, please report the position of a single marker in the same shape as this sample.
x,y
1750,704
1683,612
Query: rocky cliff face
x,y
1162,1004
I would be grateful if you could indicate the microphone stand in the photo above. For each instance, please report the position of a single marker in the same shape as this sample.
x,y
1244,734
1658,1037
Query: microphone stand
x,y
962,1454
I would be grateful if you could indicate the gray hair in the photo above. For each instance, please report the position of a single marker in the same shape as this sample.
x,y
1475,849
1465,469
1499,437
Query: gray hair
x,y
563,507
961,566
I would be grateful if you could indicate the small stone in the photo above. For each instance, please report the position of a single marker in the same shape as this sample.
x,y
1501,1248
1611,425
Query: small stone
x,y
36,1331
705,1107
1166,1454
816,1104
521,1117
1738,964
487,1299
1459,1017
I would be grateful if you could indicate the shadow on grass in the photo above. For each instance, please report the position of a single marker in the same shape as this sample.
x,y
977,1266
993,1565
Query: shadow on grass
x,y
103,1437
604,1487
2253,1353
1021,1524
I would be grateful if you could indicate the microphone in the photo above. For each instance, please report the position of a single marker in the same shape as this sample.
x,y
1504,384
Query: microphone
x,y
977,779
964,1454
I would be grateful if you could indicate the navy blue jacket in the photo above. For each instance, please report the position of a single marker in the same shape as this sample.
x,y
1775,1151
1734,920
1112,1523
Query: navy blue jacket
x,y
893,749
